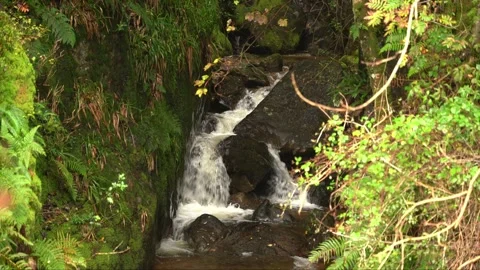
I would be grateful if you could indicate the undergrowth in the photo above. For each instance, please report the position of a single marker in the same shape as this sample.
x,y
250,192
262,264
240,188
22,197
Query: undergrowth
x,y
407,186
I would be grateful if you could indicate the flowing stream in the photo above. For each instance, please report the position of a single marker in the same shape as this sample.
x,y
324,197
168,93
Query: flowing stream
x,y
205,185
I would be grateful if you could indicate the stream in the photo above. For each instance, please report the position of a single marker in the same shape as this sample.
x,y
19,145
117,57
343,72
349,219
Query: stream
x,y
204,189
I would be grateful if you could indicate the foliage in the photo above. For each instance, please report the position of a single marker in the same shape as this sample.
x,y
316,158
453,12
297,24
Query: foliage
x,y
17,76
407,184
58,23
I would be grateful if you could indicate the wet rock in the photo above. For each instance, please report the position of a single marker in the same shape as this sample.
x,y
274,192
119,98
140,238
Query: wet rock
x,y
245,200
263,239
247,161
317,224
282,118
271,213
238,73
202,233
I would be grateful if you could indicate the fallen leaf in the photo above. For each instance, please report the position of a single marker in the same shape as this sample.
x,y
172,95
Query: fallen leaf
x,y
283,22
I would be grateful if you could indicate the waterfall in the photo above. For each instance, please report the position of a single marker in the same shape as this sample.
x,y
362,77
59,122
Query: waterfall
x,y
205,185
204,188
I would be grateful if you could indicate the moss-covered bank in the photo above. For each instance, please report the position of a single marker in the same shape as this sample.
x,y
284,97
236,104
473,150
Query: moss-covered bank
x,y
114,111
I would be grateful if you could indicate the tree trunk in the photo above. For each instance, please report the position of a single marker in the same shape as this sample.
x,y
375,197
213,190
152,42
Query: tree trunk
x,y
369,45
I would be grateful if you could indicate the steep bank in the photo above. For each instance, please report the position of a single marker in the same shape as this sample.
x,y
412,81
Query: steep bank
x,y
114,108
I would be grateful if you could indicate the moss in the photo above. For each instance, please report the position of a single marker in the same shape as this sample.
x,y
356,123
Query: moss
x,y
17,75
221,43
270,35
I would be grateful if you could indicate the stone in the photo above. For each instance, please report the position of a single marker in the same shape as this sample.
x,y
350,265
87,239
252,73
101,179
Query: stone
x,y
247,161
271,213
282,119
204,231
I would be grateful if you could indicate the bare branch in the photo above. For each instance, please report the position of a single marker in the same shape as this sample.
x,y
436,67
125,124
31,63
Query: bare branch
x,y
347,108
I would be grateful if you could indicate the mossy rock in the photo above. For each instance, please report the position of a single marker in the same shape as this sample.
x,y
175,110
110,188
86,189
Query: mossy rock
x,y
17,75
221,44
271,35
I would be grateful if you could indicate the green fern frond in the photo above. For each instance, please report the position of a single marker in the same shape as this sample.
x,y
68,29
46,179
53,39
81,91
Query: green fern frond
x,y
59,24
49,255
72,255
346,262
334,246
68,177
9,260
76,165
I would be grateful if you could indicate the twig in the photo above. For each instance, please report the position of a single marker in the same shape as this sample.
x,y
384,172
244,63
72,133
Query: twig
x,y
347,108
113,252
469,262
379,62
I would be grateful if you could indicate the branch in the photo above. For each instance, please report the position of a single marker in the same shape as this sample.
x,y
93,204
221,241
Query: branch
x,y
469,262
379,62
347,108
435,234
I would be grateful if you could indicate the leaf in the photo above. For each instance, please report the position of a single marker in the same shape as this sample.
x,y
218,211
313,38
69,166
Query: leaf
x,y
283,22
217,60
198,83
201,91
207,66
205,77
236,2
231,28
249,16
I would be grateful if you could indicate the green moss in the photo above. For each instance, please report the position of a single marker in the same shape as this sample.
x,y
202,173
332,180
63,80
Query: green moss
x,y
221,43
270,35
17,75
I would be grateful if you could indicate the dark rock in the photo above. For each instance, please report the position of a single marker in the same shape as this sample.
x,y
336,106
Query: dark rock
x,y
327,26
320,195
282,118
271,213
238,73
248,162
202,233
263,239
317,227
245,200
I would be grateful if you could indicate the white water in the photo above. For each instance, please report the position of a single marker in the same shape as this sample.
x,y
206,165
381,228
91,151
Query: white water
x,y
205,186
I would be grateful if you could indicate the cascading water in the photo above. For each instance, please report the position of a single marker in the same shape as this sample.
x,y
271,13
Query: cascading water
x,y
205,185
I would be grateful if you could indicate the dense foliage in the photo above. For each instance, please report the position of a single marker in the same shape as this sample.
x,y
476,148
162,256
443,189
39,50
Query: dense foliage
x,y
95,98
406,195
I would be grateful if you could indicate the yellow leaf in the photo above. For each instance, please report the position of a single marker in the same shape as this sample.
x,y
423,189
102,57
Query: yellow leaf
x,y
198,83
283,22
231,28
207,66
201,91
249,16
205,77
217,60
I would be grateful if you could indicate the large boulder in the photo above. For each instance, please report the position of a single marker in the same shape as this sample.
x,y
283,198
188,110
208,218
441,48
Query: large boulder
x,y
282,119
247,161
263,239
204,231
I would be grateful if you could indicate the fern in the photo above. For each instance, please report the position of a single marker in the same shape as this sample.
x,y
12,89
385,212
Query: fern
x,y
70,250
9,260
59,24
345,258
68,177
328,249
345,262
49,255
